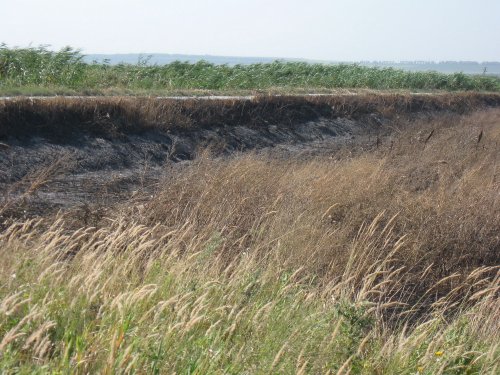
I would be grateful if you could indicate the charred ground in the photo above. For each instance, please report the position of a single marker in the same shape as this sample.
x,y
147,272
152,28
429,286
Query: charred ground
x,y
69,152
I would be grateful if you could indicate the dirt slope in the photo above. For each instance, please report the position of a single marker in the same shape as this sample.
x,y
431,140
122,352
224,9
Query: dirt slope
x,y
59,153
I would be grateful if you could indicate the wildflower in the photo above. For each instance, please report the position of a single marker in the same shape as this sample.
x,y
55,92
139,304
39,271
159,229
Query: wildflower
x,y
420,369
439,353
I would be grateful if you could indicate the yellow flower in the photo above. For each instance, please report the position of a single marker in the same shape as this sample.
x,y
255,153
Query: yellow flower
x,y
439,353
420,369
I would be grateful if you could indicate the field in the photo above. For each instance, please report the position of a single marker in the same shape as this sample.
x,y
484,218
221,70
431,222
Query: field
x,y
38,71
335,234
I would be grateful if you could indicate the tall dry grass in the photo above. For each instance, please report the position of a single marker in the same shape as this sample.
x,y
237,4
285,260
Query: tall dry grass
x,y
383,261
439,192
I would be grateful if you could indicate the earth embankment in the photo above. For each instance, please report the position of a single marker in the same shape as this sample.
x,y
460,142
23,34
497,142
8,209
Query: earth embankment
x,y
65,152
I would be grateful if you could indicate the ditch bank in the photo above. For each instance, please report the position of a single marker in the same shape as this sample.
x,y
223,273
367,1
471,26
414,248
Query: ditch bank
x,y
66,152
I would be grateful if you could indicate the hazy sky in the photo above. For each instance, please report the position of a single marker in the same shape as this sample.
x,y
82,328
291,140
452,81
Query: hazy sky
x,y
315,29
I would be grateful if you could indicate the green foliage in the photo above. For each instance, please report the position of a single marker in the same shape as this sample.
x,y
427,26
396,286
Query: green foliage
x,y
114,311
41,67
38,67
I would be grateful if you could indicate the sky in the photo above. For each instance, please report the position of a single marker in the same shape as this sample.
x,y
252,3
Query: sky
x,y
331,30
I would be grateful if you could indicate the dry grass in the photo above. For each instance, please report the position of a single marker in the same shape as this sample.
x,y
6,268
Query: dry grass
x,y
373,262
439,193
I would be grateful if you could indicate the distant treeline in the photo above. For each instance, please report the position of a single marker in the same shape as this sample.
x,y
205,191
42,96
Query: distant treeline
x,y
468,67
67,68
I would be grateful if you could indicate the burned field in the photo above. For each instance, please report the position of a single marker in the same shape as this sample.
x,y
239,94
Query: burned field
x,y
75,151
267,234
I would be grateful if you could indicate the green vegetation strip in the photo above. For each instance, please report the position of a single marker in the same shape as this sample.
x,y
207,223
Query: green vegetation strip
x,y
43,72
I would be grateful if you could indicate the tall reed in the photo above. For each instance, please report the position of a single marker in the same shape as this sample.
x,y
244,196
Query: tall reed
x,y
35,68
